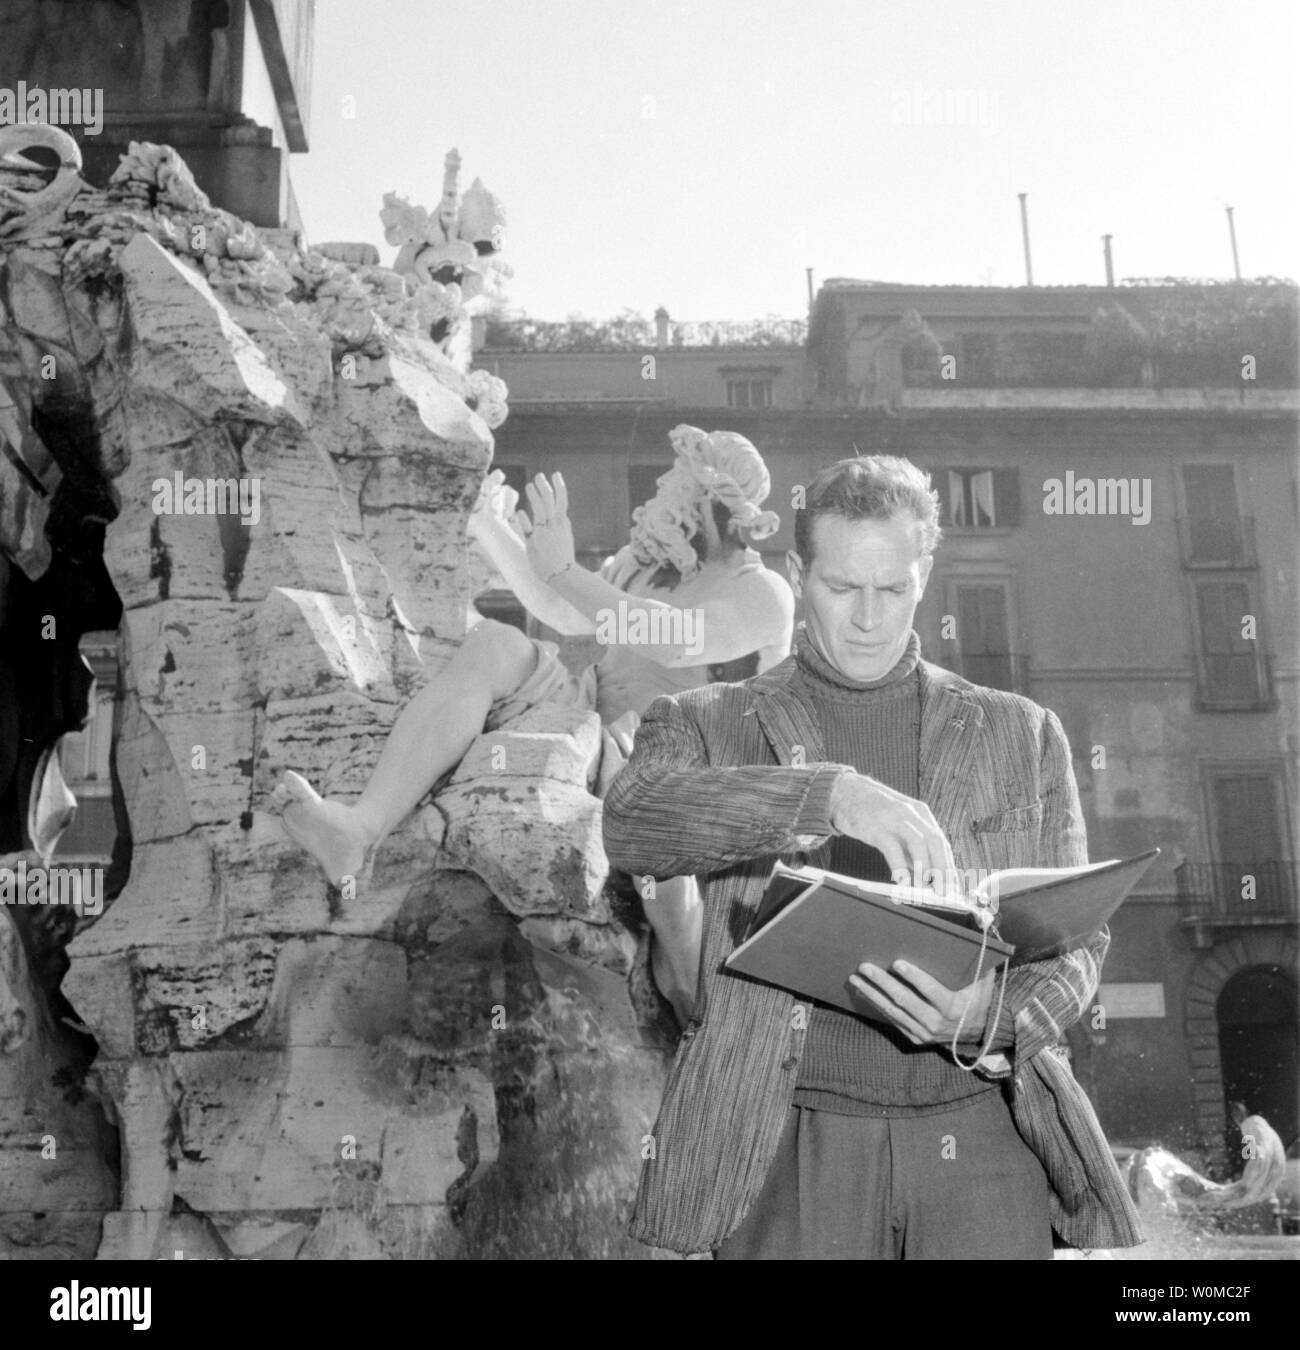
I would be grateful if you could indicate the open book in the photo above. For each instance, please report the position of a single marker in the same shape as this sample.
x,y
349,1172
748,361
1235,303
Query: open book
x,y
813,929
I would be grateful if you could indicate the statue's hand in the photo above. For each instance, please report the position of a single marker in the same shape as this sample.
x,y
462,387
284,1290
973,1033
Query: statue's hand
x,y
496,506
550,543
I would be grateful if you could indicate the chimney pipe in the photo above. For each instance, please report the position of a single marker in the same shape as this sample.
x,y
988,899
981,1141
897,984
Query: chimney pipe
x,y
661,328
1110,265
1024,230
1232,234
808,273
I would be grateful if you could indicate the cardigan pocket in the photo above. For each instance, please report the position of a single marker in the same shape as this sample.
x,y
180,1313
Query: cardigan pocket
x,y
1027,817
1009,838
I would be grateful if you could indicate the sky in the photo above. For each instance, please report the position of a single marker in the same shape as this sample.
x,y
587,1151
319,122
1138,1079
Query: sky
x,y
701,154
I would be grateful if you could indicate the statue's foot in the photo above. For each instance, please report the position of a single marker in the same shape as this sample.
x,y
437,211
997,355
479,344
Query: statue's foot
x,y
330,831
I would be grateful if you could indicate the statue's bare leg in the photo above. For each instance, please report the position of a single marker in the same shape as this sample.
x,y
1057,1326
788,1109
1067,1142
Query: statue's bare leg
x,y
429,738
676,914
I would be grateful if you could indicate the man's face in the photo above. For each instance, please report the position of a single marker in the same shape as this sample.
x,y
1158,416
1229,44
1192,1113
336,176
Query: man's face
x,y
861,590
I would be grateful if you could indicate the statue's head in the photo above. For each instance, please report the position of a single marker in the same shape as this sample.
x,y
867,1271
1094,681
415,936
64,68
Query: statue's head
x,y
715,489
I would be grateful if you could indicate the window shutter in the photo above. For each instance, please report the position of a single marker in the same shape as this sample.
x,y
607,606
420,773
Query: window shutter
x,y
956,502
1006,495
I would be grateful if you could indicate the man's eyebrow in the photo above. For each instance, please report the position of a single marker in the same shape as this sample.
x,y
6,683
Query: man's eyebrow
x,y
834,579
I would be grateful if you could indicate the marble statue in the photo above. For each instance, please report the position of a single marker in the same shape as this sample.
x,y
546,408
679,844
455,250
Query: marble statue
x,y
685,593
1160,1181
31,197
450,257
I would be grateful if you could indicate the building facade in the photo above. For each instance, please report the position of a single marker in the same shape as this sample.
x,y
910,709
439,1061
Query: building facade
x,y
1119,545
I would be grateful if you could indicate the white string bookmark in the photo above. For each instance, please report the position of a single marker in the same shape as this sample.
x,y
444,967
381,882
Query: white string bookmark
x,y
984,917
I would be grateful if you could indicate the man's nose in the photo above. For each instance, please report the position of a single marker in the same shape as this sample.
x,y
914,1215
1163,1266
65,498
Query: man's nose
x,y
866,612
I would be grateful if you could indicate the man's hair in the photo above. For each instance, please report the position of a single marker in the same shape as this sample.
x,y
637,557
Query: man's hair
x,y
872,487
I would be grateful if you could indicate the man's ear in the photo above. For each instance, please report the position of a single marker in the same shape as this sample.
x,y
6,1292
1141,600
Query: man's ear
x,y
794,570
927,563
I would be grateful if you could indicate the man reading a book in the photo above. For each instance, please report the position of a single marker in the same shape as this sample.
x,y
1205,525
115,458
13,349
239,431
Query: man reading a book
x,y
947,1124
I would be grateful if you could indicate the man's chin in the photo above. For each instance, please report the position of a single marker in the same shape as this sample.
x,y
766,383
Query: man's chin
x,y
865,664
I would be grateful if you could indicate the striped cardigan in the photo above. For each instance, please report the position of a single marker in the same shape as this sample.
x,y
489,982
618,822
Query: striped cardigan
x,y
724,780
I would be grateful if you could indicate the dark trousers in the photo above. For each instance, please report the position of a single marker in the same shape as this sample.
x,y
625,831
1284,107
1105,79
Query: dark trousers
x,y
958,1185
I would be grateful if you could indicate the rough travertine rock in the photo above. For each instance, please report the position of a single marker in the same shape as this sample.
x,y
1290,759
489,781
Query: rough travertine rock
x,y
432,1065
57,1151
520,802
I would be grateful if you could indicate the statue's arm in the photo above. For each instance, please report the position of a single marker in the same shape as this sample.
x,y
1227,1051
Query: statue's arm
x,y
506,551
754,611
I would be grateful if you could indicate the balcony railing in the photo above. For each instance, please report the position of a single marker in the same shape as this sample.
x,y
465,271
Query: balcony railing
x,y
1234,682
1239,892
1218,542
996,670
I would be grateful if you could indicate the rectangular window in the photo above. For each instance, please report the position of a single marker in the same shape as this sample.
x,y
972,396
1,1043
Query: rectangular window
x,y
1246,817
1249,875
983,637
1229,661
749,393
980,499
1036,358
1214,525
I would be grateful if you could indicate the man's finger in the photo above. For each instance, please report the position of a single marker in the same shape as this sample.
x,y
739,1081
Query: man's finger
x,y
906,1024
523,524
914,1033
561,495
924,1013
918,847
940,995
896,858
938,859
536,503
946,859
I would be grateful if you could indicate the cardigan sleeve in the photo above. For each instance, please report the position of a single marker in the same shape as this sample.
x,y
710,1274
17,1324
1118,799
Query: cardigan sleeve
x,y
670,813
1043,998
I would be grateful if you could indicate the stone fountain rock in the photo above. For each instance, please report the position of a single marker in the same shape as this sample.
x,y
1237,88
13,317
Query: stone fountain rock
x,y
447,1061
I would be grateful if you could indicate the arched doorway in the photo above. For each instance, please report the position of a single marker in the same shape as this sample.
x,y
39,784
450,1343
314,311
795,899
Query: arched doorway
x,y
1259,1045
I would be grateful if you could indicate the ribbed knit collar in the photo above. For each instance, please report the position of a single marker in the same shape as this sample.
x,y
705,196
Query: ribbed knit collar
x,y
826,680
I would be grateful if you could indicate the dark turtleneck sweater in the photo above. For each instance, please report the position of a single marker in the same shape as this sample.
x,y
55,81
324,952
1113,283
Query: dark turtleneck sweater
x,y
852,1065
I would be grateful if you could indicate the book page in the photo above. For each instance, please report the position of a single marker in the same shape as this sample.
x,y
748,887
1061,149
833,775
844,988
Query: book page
x,y
886,890
1015,879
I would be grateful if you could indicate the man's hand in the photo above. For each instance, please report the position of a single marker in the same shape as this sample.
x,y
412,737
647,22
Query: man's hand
x,y
901,827
921,1008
